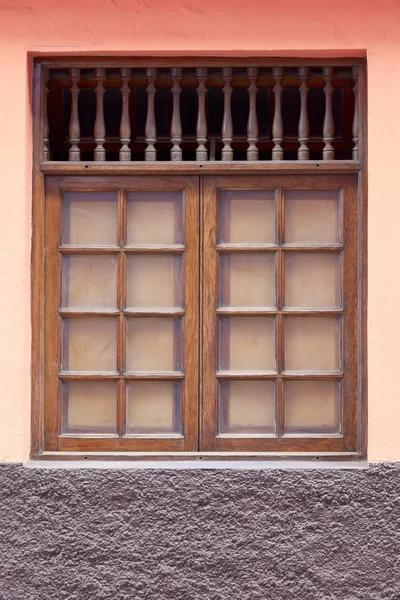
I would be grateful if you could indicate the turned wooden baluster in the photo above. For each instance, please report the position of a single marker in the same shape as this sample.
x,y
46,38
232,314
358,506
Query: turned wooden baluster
x,y
252,124
201,129
304,128
356,154
176,126
150,131
227,125
125,126
46,148
277,125
99,125
74,128
328,152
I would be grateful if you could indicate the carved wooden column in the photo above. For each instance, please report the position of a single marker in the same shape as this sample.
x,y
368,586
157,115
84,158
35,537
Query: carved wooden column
x,y
252,124
176,126
277,125
201,129
328,152
46,148
99,125
227,125
150,129
74,128
304,128
356,153
125,126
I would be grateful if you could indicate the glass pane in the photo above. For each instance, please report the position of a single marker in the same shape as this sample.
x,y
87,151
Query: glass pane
x,y
89,345
312,280
153,344
89,281
247,217
312,406
247,280
312,344
247,407
312,217
154,407
89,218
247,344
154,281
154,218
89,407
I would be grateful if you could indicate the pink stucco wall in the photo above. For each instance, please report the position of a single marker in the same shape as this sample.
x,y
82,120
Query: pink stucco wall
x,y
214,27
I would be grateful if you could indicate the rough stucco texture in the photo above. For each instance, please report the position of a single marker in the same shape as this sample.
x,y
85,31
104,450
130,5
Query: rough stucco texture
x,y
184,535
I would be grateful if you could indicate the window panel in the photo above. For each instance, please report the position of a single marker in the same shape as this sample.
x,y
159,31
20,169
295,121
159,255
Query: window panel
x,y
311,407
312,280
89,282
154,281
154,407
154,218
247,344
312,217
153,344
247,280
89,345
89,407
89,218
312,343
247,217
247,407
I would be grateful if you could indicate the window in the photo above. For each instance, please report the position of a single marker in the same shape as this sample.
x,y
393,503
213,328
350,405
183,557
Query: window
x,y
178,312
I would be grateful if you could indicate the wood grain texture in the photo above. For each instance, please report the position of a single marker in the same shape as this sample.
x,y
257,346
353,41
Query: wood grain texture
x,y
99,125
150,128
74,126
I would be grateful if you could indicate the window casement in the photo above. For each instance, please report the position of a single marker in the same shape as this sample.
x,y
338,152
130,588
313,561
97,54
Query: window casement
x,y
186,302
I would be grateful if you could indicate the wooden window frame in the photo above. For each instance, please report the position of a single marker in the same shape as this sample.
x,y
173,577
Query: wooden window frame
x,y
42,170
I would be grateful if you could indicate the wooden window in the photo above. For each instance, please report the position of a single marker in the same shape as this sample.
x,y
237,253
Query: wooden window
x,y
185,302
241,287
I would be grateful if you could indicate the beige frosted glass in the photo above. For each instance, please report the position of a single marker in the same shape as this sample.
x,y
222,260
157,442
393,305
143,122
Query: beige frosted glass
x,y
312,406
311,344
247,344
89,407
154,407
153,344
247,407
90,344
247,280
89,281
154,218
312,217
312,280
153,281
247,217
89,218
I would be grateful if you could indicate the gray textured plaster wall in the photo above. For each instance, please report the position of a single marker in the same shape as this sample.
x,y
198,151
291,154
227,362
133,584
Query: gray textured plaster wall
x,y
188,535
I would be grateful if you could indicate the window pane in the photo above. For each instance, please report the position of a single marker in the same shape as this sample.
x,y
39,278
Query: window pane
x,y
154,407
89,407
247,217
247,407
154,218
153,344
312,344
89,344
247,344
247,280
312,406
89,281
312,217
89,218
312,280
154,281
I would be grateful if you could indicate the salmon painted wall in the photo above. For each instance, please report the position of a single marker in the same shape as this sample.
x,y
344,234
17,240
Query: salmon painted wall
x,y
213,27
